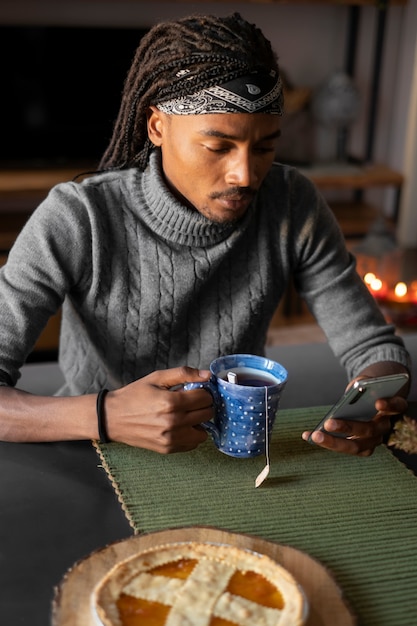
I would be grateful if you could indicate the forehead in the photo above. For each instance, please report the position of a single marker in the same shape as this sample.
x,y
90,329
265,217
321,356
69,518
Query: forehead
x,y
238,126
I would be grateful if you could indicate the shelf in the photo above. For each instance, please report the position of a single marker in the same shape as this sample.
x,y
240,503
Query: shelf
x,y
21,190
326,176
335,176
355,219
29,180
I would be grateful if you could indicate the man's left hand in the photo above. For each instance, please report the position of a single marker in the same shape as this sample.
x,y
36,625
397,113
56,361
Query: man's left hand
x,y
361,438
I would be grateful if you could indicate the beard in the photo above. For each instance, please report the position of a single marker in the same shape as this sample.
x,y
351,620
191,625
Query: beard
x,y
231,216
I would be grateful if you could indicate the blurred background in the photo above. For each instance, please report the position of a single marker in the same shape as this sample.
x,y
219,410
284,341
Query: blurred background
x,y
350,75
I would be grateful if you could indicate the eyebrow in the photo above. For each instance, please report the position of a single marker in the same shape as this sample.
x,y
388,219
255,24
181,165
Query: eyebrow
x,y
211,132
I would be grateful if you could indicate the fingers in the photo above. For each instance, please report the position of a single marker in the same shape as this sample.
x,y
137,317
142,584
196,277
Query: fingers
x,y
352,437
359,430
149,414
177,440
192,401
392,406
187,407
351,445
359,437
178,430
176,376
186,403
191,411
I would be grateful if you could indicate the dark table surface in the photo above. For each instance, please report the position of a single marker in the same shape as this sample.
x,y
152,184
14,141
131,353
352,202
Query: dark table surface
x,y
57,504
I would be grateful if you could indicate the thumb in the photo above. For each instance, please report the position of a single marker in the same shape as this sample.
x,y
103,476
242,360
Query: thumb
x,y
178,376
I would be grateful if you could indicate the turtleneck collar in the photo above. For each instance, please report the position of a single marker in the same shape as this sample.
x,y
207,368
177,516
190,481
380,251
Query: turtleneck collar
x,y
175,222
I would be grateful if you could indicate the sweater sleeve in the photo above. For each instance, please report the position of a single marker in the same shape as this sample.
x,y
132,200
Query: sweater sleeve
x,y
47,260
326,277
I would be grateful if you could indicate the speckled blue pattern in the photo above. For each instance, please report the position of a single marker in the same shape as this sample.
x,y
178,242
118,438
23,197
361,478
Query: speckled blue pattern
x,y
238,428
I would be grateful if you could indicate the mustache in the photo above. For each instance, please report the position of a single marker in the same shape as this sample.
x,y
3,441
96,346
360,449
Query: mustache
x,y
239,193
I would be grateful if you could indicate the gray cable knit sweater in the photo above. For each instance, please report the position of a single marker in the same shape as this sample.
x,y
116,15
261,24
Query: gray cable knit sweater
x,y
146,283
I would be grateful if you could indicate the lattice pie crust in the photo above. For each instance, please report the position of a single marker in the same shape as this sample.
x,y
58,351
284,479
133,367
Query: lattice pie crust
x,y
201,598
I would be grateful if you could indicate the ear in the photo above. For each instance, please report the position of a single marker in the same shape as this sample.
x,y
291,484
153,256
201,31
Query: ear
x,y
156,123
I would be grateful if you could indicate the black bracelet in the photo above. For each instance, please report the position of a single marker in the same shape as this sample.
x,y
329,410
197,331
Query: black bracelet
x,y
102,430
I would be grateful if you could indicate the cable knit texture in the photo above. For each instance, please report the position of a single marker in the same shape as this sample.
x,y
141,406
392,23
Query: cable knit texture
x,y
147,283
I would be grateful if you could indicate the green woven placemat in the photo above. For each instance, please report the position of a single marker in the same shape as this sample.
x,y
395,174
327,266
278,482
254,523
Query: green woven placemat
x,y
358,516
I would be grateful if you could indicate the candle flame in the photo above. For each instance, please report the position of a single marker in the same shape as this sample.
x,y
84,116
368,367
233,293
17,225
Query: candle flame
x,y
374,283
369,277
400,290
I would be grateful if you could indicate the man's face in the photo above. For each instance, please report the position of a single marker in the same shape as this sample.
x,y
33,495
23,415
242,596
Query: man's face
x,y
215,162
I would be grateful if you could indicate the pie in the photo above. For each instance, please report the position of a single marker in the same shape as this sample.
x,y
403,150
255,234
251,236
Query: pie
x,y
198,584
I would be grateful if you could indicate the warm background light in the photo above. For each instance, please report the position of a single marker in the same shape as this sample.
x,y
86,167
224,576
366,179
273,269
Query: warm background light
x,y
369,277
373,282
400,290
393,283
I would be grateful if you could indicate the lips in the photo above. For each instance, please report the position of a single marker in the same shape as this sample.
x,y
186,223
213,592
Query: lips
x,y
235,203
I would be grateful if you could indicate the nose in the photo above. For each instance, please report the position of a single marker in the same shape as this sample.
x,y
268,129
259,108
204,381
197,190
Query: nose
x,y
241,170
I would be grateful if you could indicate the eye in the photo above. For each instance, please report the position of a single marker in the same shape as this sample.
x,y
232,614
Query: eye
x,y
217,149
264,149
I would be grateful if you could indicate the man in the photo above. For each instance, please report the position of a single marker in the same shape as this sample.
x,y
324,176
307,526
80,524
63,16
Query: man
x,y
179,251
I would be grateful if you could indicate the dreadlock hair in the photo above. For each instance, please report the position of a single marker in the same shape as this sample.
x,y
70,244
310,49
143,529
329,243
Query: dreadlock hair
x,y
177,59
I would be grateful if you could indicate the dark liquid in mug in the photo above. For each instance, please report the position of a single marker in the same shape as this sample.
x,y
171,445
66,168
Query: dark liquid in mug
x,y
249,380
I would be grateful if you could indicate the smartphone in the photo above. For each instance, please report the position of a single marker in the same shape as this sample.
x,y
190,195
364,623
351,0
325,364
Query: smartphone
x,y
358,402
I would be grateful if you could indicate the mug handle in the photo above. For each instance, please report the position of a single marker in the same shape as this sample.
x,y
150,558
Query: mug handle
x,y
209,427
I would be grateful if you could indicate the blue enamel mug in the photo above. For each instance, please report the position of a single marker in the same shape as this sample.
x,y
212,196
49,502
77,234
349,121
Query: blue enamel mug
x,y
246,391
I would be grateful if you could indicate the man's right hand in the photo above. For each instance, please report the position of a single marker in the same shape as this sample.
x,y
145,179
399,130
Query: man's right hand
x,y
149,414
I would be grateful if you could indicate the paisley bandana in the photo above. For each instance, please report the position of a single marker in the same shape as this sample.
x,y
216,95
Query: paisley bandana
x,y
258,92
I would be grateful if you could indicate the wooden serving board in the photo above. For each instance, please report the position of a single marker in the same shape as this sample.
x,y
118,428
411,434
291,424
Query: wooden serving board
x,y
72,607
